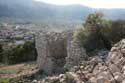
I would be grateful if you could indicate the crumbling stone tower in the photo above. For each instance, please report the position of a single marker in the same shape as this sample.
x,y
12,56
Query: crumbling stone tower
x,y
56,50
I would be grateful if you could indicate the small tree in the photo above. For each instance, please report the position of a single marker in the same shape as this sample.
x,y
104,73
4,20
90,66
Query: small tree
x,y
1,52
93,34
22,53
117,31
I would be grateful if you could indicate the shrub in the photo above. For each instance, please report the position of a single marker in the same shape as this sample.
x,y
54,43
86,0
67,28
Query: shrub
x,y
4,80
99,33
20,53
79,33
117,31
1,52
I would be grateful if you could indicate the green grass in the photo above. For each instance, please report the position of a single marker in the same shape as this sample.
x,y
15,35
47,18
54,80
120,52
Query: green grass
x,y
4,80
14,80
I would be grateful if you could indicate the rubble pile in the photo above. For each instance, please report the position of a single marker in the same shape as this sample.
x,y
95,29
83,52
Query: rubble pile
x,y
96,69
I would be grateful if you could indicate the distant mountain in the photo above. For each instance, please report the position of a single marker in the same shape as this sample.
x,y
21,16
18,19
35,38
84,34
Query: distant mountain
x,y
113,13
31,9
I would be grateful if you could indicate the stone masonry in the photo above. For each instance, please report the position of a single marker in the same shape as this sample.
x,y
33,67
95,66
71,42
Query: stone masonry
x,y
57,50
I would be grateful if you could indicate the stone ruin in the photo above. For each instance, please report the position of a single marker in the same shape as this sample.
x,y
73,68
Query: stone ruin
x,y
112,70
116,61
109,70
58,50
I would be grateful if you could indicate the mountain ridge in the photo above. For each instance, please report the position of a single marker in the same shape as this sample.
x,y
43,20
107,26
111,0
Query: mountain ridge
x,y
39,10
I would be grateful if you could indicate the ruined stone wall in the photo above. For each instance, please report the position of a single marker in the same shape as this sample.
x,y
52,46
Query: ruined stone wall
x,y
75,54
56,50
97,69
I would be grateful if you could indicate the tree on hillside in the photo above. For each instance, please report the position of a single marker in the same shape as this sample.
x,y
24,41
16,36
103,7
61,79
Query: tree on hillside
x,y
1,52
94,37
117,31
96,25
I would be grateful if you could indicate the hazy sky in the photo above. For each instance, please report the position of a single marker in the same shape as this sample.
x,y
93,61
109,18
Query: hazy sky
x,y
90,3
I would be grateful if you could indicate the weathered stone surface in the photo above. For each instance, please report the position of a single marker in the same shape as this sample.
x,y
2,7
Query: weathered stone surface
x,y
102,80
105,74
56,50
116,60
95,70
114,69
123,81
118,78
75,54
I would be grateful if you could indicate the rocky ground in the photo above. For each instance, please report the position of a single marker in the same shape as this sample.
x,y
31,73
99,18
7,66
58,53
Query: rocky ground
x,y
97,69
105,67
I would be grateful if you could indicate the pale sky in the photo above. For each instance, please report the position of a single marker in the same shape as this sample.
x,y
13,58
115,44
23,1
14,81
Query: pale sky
x,y
90,3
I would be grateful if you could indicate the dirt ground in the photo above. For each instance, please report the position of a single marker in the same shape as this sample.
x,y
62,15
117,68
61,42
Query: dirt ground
x,y
17,70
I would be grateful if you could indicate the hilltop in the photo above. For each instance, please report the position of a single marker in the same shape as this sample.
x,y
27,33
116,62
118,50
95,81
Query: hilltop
x,y
30,9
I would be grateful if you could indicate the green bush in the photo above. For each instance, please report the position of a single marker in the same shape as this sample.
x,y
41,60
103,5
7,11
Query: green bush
x,y
4,80
1,52
14,80
20,53
117,31
99,33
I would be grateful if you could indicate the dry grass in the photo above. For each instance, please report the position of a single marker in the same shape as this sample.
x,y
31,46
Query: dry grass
x,y
17,70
